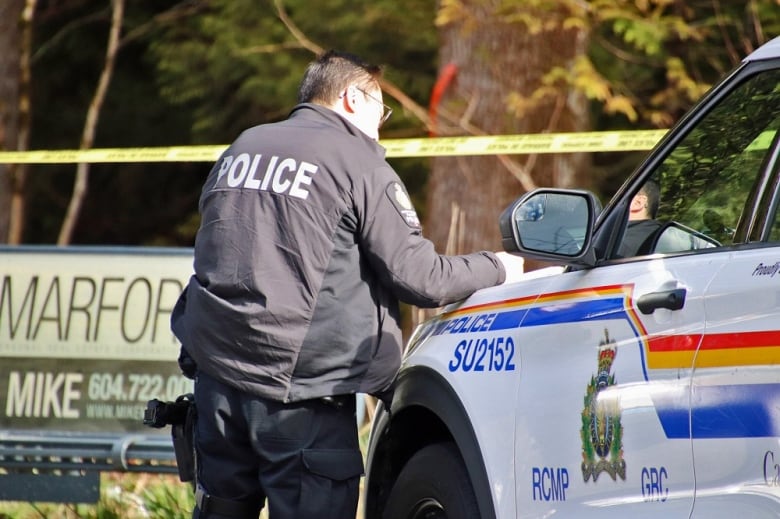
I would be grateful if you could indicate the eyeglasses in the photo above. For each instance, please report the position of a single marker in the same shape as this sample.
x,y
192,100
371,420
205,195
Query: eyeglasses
x,y
386,110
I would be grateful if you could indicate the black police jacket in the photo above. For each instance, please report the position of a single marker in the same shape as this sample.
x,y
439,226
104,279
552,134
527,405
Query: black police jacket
x,y
307,242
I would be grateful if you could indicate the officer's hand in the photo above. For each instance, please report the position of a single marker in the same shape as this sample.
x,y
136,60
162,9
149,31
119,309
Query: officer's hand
x,y
513,265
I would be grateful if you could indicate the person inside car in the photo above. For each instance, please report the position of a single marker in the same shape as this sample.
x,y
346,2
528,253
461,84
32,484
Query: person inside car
x,y
642,225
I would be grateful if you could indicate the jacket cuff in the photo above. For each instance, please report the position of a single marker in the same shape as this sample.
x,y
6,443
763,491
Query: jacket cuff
x,y
500,266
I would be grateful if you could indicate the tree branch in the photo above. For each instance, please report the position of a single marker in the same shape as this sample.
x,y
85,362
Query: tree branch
x,y
90,125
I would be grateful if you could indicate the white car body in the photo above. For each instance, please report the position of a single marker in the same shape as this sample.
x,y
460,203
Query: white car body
x,y
644,386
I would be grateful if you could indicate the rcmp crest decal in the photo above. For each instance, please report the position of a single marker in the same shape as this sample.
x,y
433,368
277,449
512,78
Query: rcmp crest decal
x,y
602,432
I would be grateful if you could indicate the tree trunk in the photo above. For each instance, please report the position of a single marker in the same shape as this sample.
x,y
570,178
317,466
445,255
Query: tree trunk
x,y
494,59
20,171
90,126
10,53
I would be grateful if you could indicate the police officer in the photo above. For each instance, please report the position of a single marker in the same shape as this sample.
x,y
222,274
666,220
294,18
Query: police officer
x,y
307,242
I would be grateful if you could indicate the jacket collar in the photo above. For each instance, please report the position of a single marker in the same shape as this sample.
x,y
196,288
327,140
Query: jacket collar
x,y
315,112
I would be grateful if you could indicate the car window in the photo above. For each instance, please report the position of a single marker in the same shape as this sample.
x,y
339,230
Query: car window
x,y
706,182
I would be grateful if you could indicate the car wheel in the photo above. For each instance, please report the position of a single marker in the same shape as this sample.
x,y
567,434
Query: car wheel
x,y
434,484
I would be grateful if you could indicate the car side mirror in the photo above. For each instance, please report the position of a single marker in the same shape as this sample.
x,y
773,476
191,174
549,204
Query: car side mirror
x,y
551,225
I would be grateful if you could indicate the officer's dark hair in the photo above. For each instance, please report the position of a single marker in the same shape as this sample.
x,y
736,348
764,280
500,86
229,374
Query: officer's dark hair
x,y
651,190
332,72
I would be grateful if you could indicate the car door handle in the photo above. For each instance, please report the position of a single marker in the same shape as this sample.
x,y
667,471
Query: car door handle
x,y
671,299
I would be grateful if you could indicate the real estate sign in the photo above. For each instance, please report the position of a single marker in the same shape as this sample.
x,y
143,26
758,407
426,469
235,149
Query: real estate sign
x,y
85,336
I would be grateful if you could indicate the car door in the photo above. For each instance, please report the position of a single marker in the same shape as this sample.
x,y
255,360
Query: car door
x,y
609,353
735,415
601,428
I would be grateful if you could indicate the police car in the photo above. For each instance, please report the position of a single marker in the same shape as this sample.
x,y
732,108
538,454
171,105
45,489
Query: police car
x,y
640,384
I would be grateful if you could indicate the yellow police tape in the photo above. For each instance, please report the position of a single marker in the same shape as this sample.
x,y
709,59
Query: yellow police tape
x,y
424,147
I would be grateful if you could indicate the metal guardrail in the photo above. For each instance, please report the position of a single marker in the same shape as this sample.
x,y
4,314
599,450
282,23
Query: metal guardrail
x,y
47,451
65,467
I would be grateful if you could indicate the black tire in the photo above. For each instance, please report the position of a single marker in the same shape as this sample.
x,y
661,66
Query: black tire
x,y
434,484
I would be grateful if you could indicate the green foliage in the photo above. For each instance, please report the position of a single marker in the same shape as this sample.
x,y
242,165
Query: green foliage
x,y
259,63
648,60
663,55
169,501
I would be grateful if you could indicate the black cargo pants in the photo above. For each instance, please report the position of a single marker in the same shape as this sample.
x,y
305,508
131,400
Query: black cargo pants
x,y
303,457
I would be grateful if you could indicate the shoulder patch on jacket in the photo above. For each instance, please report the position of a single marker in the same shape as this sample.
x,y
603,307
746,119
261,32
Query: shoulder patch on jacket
x,y
400,200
